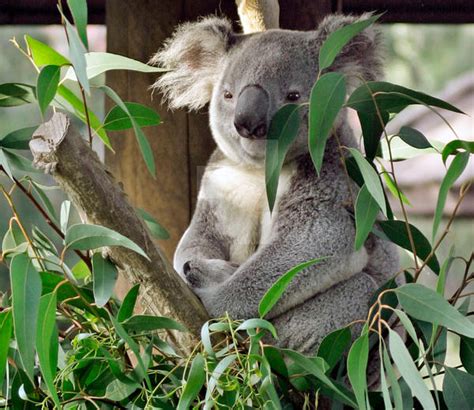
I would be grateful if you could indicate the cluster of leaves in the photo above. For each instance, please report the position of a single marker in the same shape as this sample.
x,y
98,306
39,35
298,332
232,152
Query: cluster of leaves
x,y
65,342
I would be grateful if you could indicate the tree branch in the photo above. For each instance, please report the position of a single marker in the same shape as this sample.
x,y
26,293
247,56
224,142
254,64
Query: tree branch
x,y
258,15
59,149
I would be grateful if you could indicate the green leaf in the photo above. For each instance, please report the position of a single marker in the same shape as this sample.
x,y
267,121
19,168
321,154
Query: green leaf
x,y
317,369
407,324
427,305
118,390
458,387
77,54
128,304
44,198
371,179
391,98
47,343
105,276
84,237
5,163
408,370
372,129
134,347
282,132
273,295
193,384
392,187
357,368
336,41
466,351
366,211
334,345
79,13
78,109
145,323
43,54
6,327
18,139
454,172
414,138
142,140
99,63
216,374
396,231
392,377
14,94
47,85
26,293
258,323
454,146
155,228
326,100
117,119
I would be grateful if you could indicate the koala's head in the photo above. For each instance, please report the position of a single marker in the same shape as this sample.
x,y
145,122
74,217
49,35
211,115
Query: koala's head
x,y
247,78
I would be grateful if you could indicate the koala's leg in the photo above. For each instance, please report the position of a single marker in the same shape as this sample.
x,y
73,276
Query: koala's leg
x,y
304,327
302,234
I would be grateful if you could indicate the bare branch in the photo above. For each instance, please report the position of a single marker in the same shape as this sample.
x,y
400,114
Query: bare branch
x,y
258,15
59,149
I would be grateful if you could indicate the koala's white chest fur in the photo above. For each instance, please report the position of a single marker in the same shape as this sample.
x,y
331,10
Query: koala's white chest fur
x,y
239,196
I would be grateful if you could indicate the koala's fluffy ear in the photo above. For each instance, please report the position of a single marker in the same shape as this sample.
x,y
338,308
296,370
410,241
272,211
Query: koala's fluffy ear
x,y
362,56
194,55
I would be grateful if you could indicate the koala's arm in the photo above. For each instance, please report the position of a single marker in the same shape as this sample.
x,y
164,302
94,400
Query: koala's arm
x,y
202,240
301,235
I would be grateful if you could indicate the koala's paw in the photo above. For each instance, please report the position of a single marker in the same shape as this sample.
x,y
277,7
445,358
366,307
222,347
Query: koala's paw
x,y
203,273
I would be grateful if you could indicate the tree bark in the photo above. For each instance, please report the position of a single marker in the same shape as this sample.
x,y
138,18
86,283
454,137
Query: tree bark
x,y
59,149
258,15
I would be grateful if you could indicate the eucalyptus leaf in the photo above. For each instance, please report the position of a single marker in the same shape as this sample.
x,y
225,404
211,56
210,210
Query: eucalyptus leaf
x,y
18,139
366,211
104,275
117,119
153,225
79,13
454,146
43,54
258,323
77,55
128,304
6,327
357,368
466,352
193,384
145,323
84,237
425,304
414,138
457,388
47,85
334,345
326,100
14,94
26,293
454,172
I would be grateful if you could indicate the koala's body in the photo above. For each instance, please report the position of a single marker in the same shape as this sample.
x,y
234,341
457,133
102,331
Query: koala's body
x,y
235,249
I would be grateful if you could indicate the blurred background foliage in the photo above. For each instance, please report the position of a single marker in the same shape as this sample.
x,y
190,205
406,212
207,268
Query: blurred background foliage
x,y
424,57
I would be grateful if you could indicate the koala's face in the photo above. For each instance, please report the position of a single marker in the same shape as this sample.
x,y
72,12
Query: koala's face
x,y
247,78
262,73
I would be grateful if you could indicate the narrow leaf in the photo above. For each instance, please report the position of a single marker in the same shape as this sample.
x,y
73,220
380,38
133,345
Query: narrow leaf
x,y
153,225
273,295
18,139
371,179
128,304
43,54
453,147
336,41
397,232
105,276
143,323
77,54
258,323
283,130
458,387
6,327
47,85
372,129
466,352
47,344
454,172
84,237
79,13
414,138
14,94
117,119
193,384
334,345
326,100
26,293
357,368
366,210
427,305
408,370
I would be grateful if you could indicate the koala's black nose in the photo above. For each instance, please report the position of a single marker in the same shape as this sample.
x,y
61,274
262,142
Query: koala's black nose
x,y
251,112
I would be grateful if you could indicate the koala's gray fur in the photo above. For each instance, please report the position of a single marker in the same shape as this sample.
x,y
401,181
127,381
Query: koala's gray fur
x,y
234,250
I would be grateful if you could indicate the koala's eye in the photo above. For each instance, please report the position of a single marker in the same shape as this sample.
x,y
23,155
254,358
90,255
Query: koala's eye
x,y
293,96
227,95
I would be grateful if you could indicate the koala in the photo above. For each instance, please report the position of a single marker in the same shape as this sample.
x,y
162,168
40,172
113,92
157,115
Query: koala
x,y
235,248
